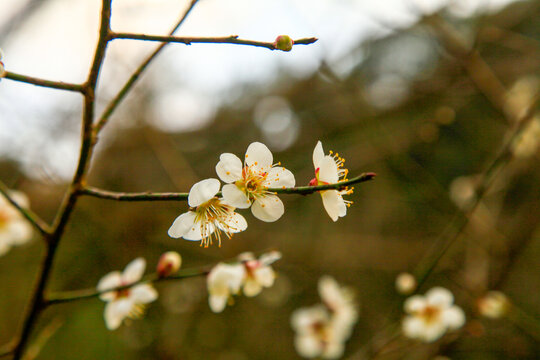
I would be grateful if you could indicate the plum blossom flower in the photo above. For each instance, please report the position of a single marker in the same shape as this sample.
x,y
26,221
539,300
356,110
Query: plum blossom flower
x,y
14,228
430,316
208,216
249,274
258,272
129,302
321,330
329,170
224,281
248,183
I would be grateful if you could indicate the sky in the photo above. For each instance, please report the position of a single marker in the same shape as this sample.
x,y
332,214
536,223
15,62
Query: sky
x,y
58,41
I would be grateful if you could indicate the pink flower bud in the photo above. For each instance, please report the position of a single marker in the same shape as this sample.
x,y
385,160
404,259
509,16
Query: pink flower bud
x,y
169,263
284,43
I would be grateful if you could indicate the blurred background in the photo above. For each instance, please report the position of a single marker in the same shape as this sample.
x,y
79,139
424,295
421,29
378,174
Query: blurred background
x,y
379,87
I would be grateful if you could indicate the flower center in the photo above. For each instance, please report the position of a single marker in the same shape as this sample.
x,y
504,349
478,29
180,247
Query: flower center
x,y
430,314
252,182
214,218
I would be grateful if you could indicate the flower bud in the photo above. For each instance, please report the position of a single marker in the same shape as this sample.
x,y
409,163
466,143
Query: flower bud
x,y
405,283
169,263
2,70
493,305
284,43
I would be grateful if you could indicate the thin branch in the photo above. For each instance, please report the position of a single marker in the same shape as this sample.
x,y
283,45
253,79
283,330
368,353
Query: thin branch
x,y
460,220
60,85
232,39
478,70
68,296
33,218
171,196
37,303
111,107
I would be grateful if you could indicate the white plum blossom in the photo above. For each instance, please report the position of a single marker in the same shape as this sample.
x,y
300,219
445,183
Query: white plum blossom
x,y
432,315
129,302
208,216
321,330
14,228
258,272
248,182
329,170
249,274
224,281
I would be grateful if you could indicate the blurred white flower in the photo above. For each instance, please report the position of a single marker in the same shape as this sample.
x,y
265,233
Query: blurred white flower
x,y
208,217
224,281
493,305
462,191
329,170
321,330
248,183
258,272
14,228
405,283
250,274
126,303
168,263
430,316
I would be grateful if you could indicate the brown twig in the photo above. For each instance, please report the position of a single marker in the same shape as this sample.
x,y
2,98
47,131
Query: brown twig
x,y
44,83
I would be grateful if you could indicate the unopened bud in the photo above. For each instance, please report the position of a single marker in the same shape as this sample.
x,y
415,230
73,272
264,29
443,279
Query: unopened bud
x,y
169,263
2,70
284,43
405,283
493,305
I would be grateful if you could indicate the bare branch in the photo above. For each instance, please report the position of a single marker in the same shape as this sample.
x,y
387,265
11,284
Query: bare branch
x,y
232,39
43,83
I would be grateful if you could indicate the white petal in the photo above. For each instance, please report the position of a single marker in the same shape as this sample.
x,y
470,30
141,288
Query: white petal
x,y
268,208
333,350
203,191
433,331
333,204
225,276
302,319
251,287
413,327
439,296
143,294
279,177
116,312
217,303
109,281
235,223
198,231
318,155
134,271
270,257
246,256
308,346
182,224
20,231
233,196
265,276
328,170
453,317
229,168
258,157
414,304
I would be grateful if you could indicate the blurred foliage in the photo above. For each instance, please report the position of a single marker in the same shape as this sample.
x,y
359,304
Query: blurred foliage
x,y
407,111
